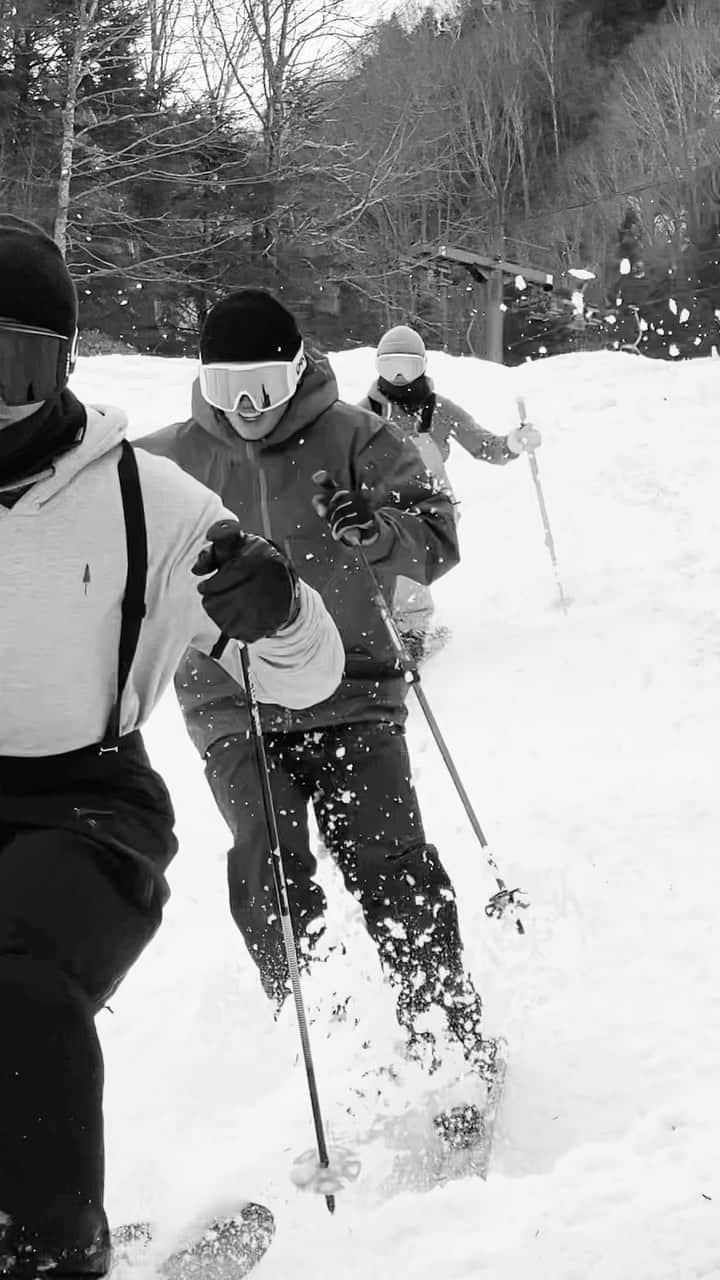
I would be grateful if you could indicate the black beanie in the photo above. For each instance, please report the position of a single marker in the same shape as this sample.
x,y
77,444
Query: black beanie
x,y
249,327
35,285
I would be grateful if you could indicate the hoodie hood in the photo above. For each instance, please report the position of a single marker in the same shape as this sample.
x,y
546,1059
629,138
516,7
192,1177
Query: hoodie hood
x,y
106,428
317,392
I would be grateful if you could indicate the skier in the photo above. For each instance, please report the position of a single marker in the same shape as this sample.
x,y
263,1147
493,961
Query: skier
x,y
403,393
266,421
97,550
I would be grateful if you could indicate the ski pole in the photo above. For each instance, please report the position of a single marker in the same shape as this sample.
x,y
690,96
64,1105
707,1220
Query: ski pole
x,y
505,901
549,541
328,1178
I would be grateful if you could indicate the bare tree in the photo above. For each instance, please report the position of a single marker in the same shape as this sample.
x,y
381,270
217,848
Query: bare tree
x,y
83,15
221,41
81,47
272,49
545,51
489,135
163,63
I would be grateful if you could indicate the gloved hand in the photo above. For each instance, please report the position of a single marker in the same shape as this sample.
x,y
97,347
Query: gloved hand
x,y
253,590
523,439
349,513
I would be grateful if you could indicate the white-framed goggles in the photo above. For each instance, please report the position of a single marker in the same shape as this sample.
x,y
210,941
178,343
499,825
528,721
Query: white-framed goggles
x,y
400,367
266,385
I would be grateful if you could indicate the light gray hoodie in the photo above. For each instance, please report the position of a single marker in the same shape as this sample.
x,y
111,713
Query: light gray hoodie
x,y
63,565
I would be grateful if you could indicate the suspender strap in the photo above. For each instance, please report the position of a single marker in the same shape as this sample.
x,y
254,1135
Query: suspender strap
x,y
133,605
428,410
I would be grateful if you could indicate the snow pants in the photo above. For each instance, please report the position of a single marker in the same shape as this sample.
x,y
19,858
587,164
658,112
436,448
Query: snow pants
x,y
358,779
83,842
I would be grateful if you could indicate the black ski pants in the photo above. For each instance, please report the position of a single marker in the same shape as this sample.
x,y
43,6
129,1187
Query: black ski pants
x,y
358,779
76,910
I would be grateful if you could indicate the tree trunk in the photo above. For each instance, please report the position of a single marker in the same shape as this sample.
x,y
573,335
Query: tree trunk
x,y
83,17
556,128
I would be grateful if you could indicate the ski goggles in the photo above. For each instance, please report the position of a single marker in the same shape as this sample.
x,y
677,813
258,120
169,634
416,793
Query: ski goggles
x,y
266,386
400,368
34,363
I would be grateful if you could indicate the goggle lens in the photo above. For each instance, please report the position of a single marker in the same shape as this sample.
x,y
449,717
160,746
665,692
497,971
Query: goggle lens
x,y
34,364
266,386
400,368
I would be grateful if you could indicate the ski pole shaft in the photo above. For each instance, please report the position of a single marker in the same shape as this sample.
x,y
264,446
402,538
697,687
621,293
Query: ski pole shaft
x,y
451,768
549,540
285,916
412,675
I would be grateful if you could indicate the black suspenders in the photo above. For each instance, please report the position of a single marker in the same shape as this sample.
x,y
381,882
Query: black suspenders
x,y
428,410
133,605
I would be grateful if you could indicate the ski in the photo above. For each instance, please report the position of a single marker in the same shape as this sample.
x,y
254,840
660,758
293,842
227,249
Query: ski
x,y
129,1241
437,1143
467,1132
225,1248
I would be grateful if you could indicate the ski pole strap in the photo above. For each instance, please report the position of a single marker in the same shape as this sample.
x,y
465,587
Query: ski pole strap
x,y
133,604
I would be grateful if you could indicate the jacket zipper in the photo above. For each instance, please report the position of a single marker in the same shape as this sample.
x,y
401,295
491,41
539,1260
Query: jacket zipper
x,y
264,508
263,495
267,532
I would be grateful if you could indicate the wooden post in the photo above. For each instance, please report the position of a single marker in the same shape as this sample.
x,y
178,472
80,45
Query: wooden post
x,y
495,316
444,302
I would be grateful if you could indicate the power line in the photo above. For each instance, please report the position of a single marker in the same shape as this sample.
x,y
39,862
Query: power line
x,y
530,244
588,204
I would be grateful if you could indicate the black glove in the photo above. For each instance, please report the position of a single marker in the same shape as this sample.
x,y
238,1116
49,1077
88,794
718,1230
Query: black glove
x,y
348,512
253,590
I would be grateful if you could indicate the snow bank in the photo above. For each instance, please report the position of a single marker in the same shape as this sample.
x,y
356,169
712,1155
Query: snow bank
x,y
589,743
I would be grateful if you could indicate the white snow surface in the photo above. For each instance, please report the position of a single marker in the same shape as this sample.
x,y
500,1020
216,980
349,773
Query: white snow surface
x,y
589,744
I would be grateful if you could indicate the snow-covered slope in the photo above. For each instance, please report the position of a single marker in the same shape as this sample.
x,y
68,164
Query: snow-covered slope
x,y
589,743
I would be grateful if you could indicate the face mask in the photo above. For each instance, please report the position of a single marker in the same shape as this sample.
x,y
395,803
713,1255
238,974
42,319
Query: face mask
x,y
411,396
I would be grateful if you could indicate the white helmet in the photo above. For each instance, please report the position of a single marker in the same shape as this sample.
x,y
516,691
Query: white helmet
x,y
401,356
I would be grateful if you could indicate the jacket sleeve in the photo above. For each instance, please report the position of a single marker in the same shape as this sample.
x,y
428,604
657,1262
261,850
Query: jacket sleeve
x,y
163,443
418,536
456,424
300,665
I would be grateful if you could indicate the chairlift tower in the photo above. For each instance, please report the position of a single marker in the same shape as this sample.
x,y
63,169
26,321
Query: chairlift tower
x,y
490,274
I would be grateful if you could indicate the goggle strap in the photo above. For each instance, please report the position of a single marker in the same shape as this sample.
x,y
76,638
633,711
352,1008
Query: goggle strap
x,y
13,326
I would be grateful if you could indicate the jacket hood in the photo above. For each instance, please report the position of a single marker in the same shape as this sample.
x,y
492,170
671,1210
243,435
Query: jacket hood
x,y
105,429
317,392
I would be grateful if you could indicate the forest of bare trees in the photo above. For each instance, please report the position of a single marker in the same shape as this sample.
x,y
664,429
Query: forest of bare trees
x,y
179,148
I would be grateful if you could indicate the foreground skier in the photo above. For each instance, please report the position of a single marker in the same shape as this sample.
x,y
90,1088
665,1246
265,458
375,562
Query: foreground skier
x,y
98,605
266,419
